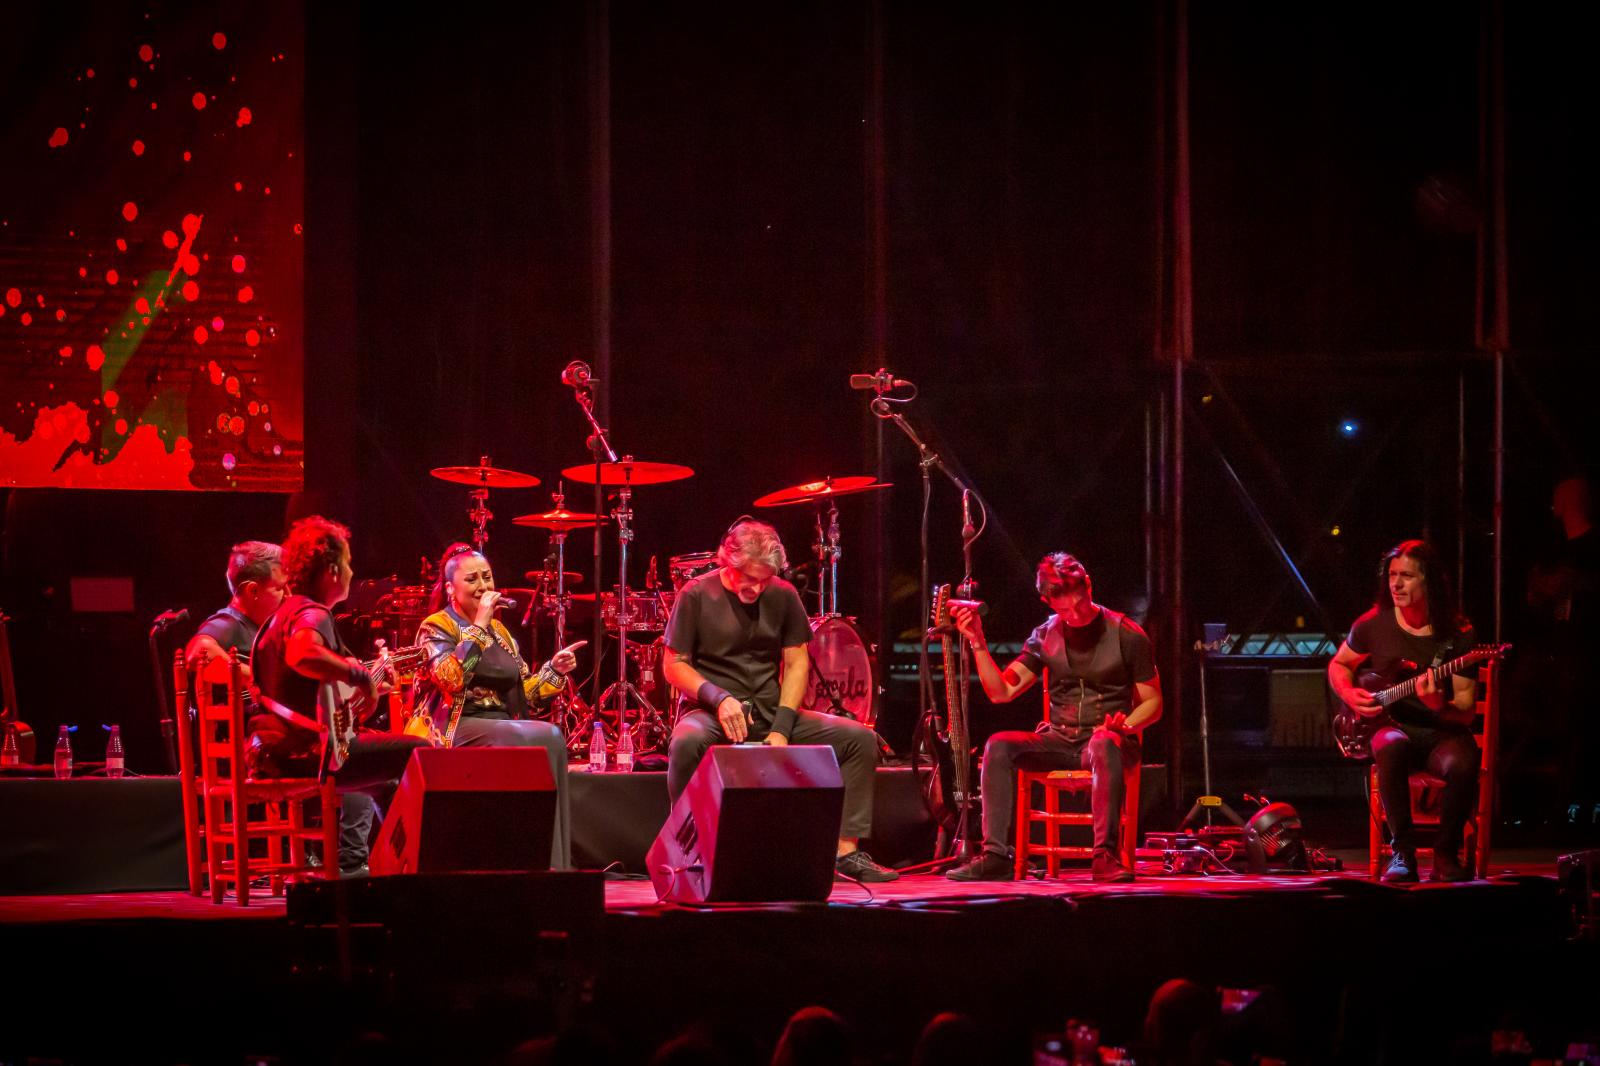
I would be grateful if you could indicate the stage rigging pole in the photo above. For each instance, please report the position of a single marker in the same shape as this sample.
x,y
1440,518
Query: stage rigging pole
x,y
600,279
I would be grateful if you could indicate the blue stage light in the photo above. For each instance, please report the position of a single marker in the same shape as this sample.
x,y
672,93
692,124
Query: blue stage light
x,y
1349,427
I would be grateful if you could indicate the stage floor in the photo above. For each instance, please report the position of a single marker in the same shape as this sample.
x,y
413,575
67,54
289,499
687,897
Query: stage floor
x,y
1018,956
637,896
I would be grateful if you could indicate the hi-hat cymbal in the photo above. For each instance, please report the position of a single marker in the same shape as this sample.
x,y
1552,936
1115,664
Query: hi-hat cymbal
x,y
485,477
560,520
820,490
548,577
629,472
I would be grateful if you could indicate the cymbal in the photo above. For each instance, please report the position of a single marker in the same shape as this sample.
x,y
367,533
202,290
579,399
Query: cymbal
x,y
560,520
486,477
820,490
629,472
539,577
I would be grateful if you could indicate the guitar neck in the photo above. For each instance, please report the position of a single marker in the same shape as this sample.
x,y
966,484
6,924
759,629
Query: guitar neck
x,y
1408,687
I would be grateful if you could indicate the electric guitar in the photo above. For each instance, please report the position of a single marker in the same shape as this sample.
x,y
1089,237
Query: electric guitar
x,y
343,706
1353,732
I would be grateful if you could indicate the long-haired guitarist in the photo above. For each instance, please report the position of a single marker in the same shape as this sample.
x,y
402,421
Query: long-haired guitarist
x,y
1415,624
477,691
1104,690
299,650
730,633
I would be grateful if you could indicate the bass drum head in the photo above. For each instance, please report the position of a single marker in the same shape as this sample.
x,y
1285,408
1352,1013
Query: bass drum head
x,y
843,677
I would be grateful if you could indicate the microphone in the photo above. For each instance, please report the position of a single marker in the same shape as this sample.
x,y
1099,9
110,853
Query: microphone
x,y
505,603
168,618
882,381
968,531
972,605
577,375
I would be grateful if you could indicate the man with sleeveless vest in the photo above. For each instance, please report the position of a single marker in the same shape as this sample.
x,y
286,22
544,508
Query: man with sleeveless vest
x,y
1104,691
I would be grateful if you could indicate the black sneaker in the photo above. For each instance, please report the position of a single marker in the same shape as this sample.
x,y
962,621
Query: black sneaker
x,y
858,866
1448,868
986,867
1402,869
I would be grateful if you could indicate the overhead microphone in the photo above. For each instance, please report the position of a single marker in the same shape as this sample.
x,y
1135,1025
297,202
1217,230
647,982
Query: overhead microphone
x,y
882,381
577,375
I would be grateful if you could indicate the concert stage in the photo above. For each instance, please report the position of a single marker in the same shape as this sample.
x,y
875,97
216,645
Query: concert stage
x,y
465,966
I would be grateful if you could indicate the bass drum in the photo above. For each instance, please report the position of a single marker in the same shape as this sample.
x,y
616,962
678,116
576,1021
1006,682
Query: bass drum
x,y
844,677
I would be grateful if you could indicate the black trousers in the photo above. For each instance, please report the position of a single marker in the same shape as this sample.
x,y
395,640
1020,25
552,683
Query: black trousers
x,y
1449,754
855,745
1104,753
474,732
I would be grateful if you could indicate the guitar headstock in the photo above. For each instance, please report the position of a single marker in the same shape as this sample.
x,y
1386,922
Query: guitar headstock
x,y
941,606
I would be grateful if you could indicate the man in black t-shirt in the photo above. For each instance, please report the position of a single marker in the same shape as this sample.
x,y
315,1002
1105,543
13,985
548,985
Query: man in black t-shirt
x,y
1104,690
296,652
730,633
1412,626
257,584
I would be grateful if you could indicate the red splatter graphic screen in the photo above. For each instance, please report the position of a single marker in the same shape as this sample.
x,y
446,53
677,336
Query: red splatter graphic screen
x,y
151,266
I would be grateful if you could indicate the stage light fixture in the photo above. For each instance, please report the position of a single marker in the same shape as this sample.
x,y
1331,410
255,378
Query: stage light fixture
x,y
1349,428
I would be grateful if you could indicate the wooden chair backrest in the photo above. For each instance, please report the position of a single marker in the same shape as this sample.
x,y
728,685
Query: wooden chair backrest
x,y
220,748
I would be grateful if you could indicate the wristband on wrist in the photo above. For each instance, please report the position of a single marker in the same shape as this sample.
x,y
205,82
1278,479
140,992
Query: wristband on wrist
x,y
711,696
358,677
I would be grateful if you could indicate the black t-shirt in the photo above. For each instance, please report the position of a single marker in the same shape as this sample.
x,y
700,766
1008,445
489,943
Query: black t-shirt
x,y
231,629
269,660
1396,655
737,646
1093,668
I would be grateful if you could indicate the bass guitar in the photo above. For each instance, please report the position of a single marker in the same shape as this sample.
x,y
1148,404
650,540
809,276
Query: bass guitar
x,y
343,707
1353,732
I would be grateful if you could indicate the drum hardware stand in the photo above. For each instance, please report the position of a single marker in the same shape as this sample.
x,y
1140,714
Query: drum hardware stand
x,y
479,512
569,704
828,552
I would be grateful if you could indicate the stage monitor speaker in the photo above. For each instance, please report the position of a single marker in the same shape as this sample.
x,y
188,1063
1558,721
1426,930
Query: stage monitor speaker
x,y
466,809
756,824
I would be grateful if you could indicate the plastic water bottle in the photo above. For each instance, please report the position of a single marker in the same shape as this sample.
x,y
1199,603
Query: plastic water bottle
x,y
10,751
114,758
63,754
597,748
625,749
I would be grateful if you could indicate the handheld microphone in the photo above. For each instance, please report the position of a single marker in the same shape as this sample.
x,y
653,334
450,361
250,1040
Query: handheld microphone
x,y
505,603
577,375
882,381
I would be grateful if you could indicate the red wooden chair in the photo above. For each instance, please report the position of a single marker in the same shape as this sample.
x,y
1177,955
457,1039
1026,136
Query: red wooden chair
x,y
1426,789
1055,784
226,811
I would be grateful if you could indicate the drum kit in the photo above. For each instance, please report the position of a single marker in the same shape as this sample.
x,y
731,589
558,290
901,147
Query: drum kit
x,y
843,677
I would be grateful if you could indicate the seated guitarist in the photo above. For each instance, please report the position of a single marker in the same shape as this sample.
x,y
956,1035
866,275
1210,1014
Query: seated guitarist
x,y
729,633
299,650
1413,625
1104,690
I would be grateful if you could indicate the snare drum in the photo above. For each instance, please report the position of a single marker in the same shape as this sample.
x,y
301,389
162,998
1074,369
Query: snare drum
x,y
843,677
647,610
685,568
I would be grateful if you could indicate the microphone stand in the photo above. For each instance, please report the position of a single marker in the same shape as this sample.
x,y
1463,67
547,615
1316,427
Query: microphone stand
x,y
928,459
599,446
169,725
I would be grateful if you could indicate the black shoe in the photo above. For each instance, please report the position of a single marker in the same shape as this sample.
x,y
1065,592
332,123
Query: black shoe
x,y
1108,869
1448,868
986,867
1402,869
359,871
858,866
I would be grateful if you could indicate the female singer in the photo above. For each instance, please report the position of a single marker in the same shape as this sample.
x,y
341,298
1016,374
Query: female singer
x,y
477,691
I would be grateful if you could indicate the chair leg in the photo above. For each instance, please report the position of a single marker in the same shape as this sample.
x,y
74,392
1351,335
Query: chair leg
x,y
241,855
216,844
1374,828
1130,819
1023,801
330,831
1052,831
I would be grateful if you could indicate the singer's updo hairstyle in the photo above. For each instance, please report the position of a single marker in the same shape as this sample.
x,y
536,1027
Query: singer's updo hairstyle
x,y
448,562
